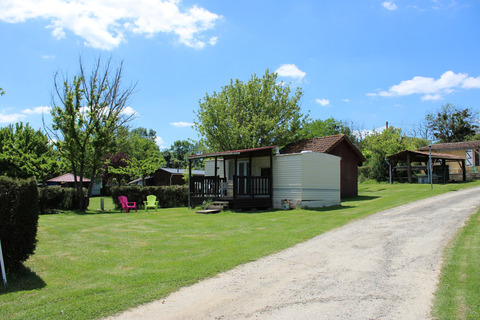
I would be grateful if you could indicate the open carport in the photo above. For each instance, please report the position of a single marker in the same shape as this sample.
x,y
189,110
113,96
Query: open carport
x,y
411,161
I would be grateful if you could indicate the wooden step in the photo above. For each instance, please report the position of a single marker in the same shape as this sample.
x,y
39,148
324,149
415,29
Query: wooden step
x,y
220,203
209,211
215,207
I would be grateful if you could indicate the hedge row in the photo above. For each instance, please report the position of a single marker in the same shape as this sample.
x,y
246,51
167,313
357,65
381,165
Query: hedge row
x,y
167,196
18,219
56,198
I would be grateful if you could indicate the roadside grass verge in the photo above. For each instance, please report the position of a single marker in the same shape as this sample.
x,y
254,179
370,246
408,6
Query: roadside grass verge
x,y
95,264
458,293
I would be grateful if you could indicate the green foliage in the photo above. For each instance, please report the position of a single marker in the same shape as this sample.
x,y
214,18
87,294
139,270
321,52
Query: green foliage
x,y
18,220
176,155
327,127
140,153
452,124
25,152
90,113
53,199
258,113
377,146
167,196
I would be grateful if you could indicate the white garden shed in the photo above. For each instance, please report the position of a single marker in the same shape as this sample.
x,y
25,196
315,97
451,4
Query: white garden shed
x,y
306,179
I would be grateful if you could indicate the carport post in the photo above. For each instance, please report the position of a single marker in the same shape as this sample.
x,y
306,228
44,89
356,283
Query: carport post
x,y
430,167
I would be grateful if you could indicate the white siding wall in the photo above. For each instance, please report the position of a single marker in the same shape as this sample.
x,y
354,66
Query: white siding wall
x,y
309,179
257,165
210,168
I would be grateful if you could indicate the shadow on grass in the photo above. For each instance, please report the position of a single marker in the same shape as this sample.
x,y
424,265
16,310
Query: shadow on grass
x,y
360,198
22,279
82,213
332,208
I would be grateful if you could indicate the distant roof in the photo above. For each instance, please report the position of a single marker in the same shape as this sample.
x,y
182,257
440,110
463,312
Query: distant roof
x,y
68,177
138,180
181,171
228,153
320,144
421,155
453,146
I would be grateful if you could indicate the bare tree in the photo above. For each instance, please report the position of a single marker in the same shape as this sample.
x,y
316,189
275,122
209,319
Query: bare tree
x,y
87,112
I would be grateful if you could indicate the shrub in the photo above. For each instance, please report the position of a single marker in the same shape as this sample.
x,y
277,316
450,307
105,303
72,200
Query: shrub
x,y
52,199
18,219
167,196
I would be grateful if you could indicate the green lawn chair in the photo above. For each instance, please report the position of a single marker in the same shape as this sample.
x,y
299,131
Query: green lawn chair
x,y
151,202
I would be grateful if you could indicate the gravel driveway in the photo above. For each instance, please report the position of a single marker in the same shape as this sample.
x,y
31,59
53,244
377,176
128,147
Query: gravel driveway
x,y
385,266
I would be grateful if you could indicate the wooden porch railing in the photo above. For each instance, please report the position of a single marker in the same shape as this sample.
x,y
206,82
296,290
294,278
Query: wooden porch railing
x,y
204,187
253,186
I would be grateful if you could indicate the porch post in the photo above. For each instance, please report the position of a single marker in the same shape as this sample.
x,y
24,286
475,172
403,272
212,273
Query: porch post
x,y
270,183
215,179
189,182
409,169
250,174
235,178
464,171
390,168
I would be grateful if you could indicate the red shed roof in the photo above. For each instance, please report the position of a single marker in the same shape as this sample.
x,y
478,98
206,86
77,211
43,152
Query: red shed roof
x,y
320,144
68,177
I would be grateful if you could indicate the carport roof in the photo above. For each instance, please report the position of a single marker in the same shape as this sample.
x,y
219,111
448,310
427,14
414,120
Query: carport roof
x,y
422,156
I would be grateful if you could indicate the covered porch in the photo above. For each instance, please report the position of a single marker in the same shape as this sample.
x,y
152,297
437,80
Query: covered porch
x,y
243,178
411,161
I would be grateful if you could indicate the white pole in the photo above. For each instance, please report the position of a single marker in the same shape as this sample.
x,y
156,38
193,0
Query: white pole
x,y
430,167
4,275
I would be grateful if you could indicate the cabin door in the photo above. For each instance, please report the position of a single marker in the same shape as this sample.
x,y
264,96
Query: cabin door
x,y
242,172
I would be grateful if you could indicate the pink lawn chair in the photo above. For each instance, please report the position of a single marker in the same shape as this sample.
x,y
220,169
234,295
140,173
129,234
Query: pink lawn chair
x,y
127,205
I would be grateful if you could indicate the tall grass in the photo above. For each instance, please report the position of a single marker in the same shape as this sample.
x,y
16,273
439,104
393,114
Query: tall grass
x,y
458,294
91,265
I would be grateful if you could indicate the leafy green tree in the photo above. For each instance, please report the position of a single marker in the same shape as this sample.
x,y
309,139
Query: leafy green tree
x,y
327,127
26,152
258,113
176,155
452,124
138,155
87,112
2,92
379,145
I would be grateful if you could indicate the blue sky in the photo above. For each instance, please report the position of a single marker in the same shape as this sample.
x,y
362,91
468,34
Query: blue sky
x,y
364,62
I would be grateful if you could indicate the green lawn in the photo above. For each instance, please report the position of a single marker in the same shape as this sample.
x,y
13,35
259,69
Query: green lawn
x,y
458,295
87,266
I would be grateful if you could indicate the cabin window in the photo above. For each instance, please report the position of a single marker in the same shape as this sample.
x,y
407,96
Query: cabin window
x,y
265,172
477,158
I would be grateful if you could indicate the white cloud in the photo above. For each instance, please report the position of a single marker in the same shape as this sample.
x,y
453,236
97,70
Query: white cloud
x,y
323,102
432,97
430,88
389,5
16,117
128,111
290,71
37,110
160,143
181,124
346,100
103,24
11,118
